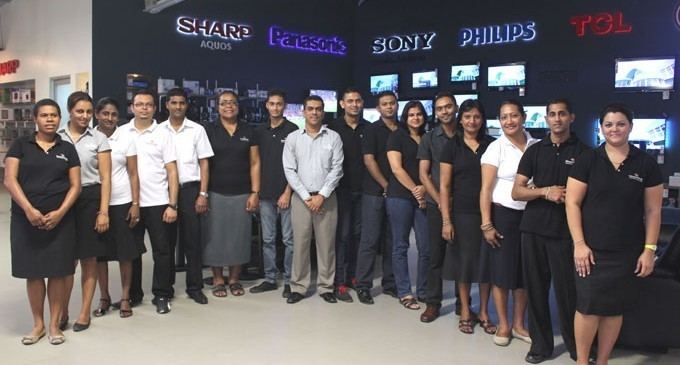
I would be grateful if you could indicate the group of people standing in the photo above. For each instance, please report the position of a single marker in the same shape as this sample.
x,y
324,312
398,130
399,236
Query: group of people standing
x,y
511,214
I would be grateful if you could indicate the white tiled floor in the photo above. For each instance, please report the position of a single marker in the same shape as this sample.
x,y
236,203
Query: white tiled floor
x,y
257,329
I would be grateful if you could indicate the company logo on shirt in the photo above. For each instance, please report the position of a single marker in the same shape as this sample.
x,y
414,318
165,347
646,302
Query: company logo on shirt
x,y
283,140
244,139
61,156
570,161
635,177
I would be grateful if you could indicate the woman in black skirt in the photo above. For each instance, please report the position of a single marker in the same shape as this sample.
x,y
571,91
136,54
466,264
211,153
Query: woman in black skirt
x,y
460,183
613,204
92,207
501,216
42,174
123,209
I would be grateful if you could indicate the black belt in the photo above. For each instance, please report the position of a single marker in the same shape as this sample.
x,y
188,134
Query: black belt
x,y
188,184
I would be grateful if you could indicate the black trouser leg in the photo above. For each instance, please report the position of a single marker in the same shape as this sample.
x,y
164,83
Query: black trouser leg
x,y
437,254
136,291
160,245
190,237
537,277
560,257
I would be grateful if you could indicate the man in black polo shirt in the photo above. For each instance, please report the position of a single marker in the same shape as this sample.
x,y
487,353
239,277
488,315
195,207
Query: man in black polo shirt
x,y
350,127
275,193
547,250
374,227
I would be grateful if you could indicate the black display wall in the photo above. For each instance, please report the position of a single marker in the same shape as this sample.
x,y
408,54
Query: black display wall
x,y
559,63
127,40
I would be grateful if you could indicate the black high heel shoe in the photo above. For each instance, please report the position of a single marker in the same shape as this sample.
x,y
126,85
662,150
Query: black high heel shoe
x,y
104,306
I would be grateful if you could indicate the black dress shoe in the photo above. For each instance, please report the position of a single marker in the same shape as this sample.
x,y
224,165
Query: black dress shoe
x,y
198,297
329,297
391,292
162,304
294,298
364,296
535,358
77,327
286,291
263,287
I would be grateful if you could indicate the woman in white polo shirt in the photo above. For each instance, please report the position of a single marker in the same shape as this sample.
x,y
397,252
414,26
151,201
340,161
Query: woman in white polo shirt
x,y
501,216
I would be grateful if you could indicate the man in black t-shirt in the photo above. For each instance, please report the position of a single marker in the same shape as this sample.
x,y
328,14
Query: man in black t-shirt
x,y
547,250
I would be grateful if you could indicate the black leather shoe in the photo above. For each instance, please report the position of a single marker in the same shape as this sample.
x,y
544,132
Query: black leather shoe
x,y
198,297
77,327
162,305
263,287
391,292
329,297
286,291
535,358
294,298
364,296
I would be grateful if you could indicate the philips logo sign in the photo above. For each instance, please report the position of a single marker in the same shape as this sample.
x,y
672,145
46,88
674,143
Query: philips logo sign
x,y
497,34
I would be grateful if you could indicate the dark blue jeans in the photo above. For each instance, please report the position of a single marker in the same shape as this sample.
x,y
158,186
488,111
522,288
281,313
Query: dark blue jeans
x,y
348,236
375,234
404,214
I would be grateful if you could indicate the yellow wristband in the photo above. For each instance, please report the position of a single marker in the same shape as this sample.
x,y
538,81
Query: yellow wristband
x,y
650,246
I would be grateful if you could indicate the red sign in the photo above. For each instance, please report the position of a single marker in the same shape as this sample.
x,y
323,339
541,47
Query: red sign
x,y
9,67
600,24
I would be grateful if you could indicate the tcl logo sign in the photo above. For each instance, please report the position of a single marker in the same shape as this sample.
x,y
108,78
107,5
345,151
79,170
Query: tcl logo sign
x,y
9,67
600,24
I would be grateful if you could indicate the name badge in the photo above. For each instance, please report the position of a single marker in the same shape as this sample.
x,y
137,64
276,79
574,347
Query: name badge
x,y
635,177
61,156
570,161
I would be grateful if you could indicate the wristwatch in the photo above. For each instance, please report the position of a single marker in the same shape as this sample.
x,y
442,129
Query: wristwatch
x,y
203,194
172,206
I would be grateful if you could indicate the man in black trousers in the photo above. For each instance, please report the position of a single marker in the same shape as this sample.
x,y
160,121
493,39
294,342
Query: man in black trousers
x,y
547,249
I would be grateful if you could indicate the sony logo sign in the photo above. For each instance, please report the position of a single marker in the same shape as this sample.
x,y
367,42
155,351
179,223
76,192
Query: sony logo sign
x,y
403,43
497,34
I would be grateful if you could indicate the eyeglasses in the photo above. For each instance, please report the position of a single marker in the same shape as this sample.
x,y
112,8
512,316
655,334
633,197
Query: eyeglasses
x,y
228,103
143,105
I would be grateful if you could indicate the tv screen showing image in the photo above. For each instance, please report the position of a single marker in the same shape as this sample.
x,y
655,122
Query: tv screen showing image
x,y
380,83
460,98
507,76
651,74
647,133
425,79
330,99
293,112
465,73
426,103
371,114
493,127
535,116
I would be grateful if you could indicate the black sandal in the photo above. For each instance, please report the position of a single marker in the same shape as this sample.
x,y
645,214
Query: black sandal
x,y
125,313
409,303
104,305
236,289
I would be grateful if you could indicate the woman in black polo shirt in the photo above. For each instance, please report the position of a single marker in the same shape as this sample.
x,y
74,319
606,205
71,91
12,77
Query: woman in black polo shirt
x,y
406,203
613,204
234,194
460,168
42,174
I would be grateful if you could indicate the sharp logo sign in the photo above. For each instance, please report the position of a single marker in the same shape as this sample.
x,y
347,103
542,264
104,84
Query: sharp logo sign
x,y
497,34
219,34
600,24
306,42
403,43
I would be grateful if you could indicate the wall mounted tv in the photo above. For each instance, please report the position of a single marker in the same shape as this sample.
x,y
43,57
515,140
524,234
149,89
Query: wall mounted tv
x,y
508,76
426,103
425,79
293,112
493,127
330,99
465,73
371,114
644,74
460,98
535,116
647,133
389,82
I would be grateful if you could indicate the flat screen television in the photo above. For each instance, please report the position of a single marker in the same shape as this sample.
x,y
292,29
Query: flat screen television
x,y
460,98
644,74
293,112
465,73
426,103
508,76
535,116
330,99
371,114
389,82
425,79
647,133
493,127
